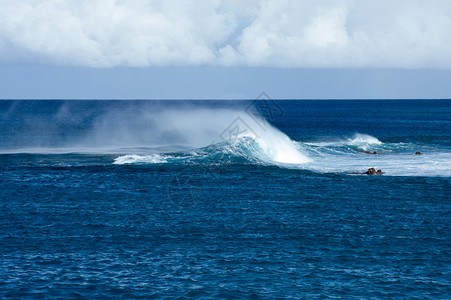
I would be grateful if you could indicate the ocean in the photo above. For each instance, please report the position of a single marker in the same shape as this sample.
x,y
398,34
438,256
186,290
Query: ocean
x,y
225,199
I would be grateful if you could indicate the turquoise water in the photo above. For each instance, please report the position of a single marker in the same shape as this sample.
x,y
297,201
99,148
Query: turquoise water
x,y
185,199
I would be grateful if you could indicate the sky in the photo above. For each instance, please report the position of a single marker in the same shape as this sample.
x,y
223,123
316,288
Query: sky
x,y
224,49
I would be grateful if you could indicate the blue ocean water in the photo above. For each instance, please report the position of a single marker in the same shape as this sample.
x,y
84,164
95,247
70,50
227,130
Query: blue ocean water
x,y
225,199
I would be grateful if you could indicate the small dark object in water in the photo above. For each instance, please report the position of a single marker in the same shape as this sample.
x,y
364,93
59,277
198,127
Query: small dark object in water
x,y
418,153
368,152
372,171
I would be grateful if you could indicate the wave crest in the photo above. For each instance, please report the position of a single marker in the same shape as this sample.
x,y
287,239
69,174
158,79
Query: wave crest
x,y
137,159
359,142
360,139
278,150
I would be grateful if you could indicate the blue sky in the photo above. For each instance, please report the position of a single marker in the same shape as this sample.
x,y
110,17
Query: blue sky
x,y
219,49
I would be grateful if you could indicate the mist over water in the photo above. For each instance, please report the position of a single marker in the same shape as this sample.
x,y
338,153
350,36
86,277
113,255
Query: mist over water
x,y
101,125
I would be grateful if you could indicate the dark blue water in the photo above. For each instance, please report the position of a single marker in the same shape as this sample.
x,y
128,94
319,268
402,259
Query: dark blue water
x,y
117,199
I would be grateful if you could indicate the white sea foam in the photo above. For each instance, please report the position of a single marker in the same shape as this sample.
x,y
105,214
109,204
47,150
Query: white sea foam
x,y
391,164
363,139
359,140
139,159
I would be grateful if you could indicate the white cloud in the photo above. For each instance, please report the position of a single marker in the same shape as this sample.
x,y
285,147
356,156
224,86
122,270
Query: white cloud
x,y
280,33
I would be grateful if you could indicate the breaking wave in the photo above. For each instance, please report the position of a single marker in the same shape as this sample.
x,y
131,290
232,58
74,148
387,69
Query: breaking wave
x,y
133,159
347,155
277,149
358,141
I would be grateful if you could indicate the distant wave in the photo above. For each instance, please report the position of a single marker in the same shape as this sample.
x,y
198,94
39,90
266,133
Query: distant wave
x,y
133,159
359,141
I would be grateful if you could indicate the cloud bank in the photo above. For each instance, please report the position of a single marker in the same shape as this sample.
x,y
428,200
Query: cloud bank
x,y
270,33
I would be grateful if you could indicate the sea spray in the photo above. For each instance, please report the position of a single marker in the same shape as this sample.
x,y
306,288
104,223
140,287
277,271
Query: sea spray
x,y
230,132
